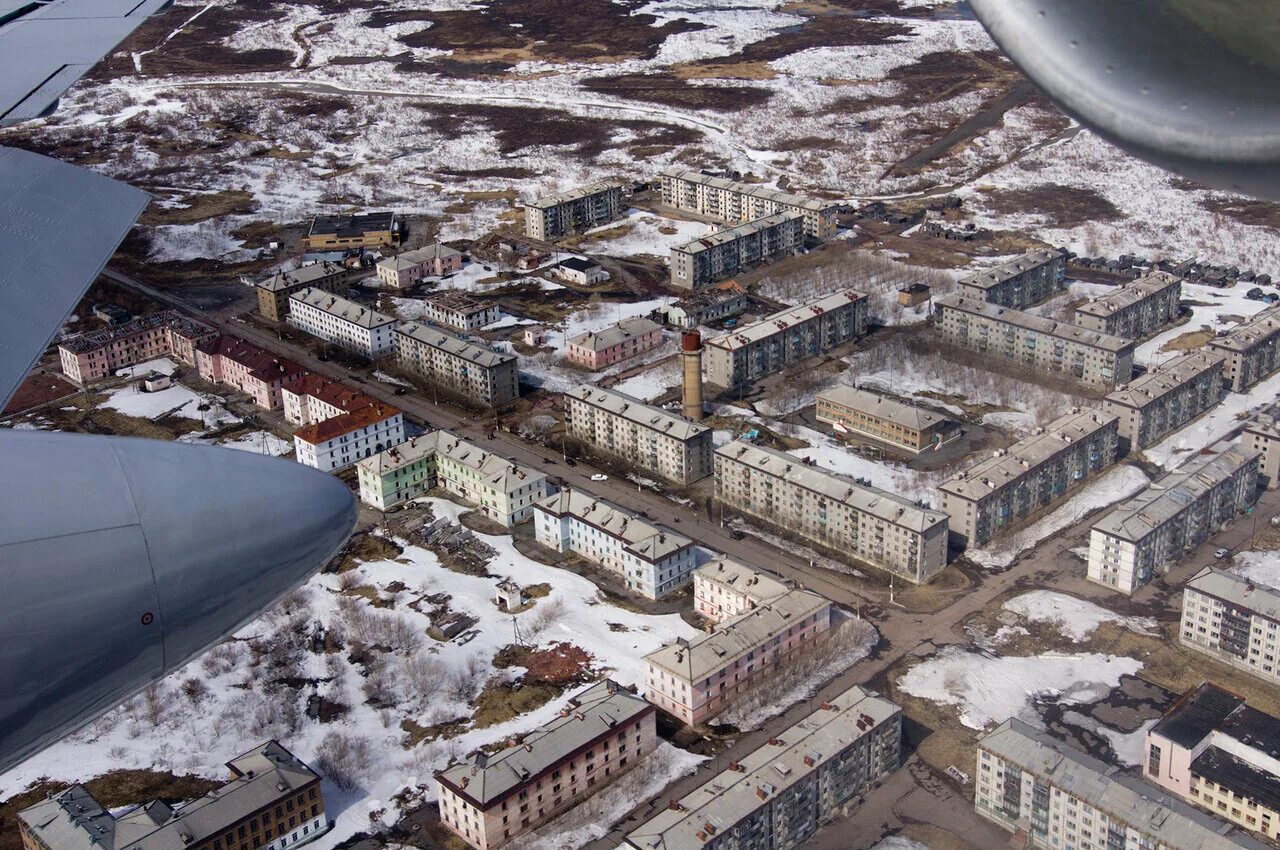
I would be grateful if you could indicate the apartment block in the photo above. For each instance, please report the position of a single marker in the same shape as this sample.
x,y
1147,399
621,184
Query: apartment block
x,y
1216,752
1262,434
273,801
616,343
407,268
738,203
473,371
1233,620
708,305
696,679
725,588
650,559
1020,283
344,323
1052,796
1252,348
1134,310
90,357
1166,398
780,794
720,255
771,344
833,510
904,426
1085,357
554,216
254,371
648,437
992,496
338,425
274,292
488,799
1151,532
456,309
504,490
365,230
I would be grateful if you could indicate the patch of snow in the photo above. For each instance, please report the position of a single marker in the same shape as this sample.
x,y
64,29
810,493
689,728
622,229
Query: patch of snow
x,y
177,400
643,236
1221,420
1074,618
1262,567
162,365
899,842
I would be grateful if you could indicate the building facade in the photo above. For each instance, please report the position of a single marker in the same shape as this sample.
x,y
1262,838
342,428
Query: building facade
x,y
338,425
1136,309
716,256
489,799
710,305
616,343
1262,435
1145,536
903,426
273,292
780,794
771,344
1216,752
1053,796
832,510
254,371
272,802
505,491
991,497
473,371
1233,620
738,203
724,588
1252,348
1020,283
580,271
458,310
1088,358
650,559
648,437
90,357
1166,398
407,268
344,323
366,230
696,679
552,217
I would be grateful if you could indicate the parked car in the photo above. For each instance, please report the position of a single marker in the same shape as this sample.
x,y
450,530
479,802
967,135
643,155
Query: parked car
x,y
1222,553
401,391
571,462
735,534
599,477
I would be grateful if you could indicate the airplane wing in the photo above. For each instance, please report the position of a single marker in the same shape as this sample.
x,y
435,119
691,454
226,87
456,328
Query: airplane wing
x,y
58,227
46,45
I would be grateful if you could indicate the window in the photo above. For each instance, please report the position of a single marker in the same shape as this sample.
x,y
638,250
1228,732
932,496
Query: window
x,y
1153,760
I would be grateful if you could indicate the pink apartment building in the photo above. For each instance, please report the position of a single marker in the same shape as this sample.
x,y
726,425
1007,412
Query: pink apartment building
x,y
93,356
626,339
404,269
697,679
725,588
253,371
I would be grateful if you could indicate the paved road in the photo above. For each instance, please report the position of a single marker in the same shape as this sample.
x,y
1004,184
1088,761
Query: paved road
x,y
1051,564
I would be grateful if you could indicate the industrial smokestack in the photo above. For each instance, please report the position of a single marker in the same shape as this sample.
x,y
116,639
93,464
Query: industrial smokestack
x,y
691,360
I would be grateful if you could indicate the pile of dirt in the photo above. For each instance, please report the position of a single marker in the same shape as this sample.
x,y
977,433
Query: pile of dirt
x,y
558,664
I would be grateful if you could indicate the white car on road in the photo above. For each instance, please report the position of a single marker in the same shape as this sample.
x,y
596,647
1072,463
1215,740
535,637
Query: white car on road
x,y
599,477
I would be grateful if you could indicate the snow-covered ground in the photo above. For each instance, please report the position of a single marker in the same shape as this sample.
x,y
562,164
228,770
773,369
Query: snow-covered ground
x,y
644,235
177,400
1262,567
899,842
1073,617
1214,308
990,689
651,383
220,705
258,442
1227,416
1112,486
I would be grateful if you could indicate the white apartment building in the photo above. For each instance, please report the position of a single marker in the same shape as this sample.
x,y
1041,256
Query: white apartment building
x,y
867,524
738,203
1166,398
1233,620
504,490
698,678
656,441
473,372
1262,434
1028,341
1019,283
1148,534
338,425
1252,348
998,493
651,560
1134,310
769,345
456,309
342,322
782,793
1055,797
724,588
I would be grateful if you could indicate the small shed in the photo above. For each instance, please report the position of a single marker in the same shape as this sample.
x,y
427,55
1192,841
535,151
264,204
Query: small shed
x,y
154,382
916,293
535,336
509,595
